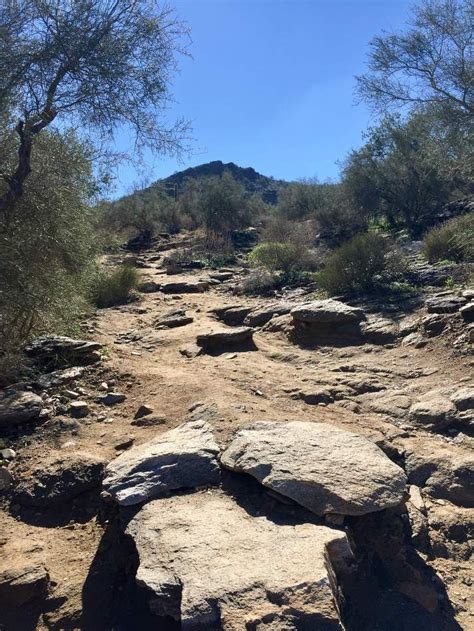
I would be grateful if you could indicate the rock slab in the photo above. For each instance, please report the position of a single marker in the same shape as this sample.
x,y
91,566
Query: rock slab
x,y
182,458
208,563
323,468
224,337
58,351
326,312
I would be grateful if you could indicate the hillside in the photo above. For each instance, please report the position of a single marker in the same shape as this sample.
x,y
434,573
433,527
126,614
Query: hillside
x,y
251,180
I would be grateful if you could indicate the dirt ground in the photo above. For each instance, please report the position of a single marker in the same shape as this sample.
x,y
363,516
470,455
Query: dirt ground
x,y
233,390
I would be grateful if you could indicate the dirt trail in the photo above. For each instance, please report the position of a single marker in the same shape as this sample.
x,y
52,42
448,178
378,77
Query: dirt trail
x,y
234,389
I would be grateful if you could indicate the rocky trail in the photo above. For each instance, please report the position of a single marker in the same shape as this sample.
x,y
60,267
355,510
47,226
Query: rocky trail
x,y
214,461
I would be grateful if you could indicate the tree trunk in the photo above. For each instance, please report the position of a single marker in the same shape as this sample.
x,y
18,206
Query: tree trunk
x,y
26,132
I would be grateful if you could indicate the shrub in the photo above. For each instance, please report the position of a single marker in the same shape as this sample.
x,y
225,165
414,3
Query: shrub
x,y
115,287
275,256
259,283
355,265
452,241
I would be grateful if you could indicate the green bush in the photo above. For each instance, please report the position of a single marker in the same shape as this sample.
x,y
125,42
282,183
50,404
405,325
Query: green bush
x,y
452,241
46,242
114,287
356,265
275,256
259,283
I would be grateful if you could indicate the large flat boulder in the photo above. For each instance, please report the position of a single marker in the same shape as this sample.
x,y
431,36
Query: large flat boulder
x,y
58,351
323,468
207,562
182,458
326,312
19,408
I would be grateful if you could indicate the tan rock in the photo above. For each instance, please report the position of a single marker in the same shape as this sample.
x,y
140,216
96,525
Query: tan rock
x,y
209,563
325,469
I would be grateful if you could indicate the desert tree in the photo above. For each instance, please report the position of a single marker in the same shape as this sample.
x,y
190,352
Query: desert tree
x,y
431,63
97,65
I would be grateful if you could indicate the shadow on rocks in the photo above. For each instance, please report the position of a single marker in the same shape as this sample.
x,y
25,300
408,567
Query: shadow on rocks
x,y
111,599
79,510
393,588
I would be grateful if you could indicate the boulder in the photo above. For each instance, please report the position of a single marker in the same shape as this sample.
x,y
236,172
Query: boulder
x,y
391,403
184,287
463,399
433,412
323,468
19,408
467,311
224,337
262,315
21,586
60,479
182,458
434,324
208,563
445,304
378,330
233,316
326,312
443,472
58,351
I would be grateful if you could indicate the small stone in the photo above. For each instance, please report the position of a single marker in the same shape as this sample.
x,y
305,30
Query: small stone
x,y
150,420
143,410
71,394
103,387
124,444
112,398
191,351
79,409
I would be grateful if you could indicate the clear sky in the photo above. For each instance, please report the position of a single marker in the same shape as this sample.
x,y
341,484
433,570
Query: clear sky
x,y
271,83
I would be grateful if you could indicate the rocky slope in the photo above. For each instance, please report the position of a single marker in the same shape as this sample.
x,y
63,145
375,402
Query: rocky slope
x,y
218,462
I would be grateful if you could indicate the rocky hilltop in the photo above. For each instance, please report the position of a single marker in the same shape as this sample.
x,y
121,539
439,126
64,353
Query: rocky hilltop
x,y
252,181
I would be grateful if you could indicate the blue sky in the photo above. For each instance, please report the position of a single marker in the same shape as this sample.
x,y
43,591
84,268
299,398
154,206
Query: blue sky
x,y
271,84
